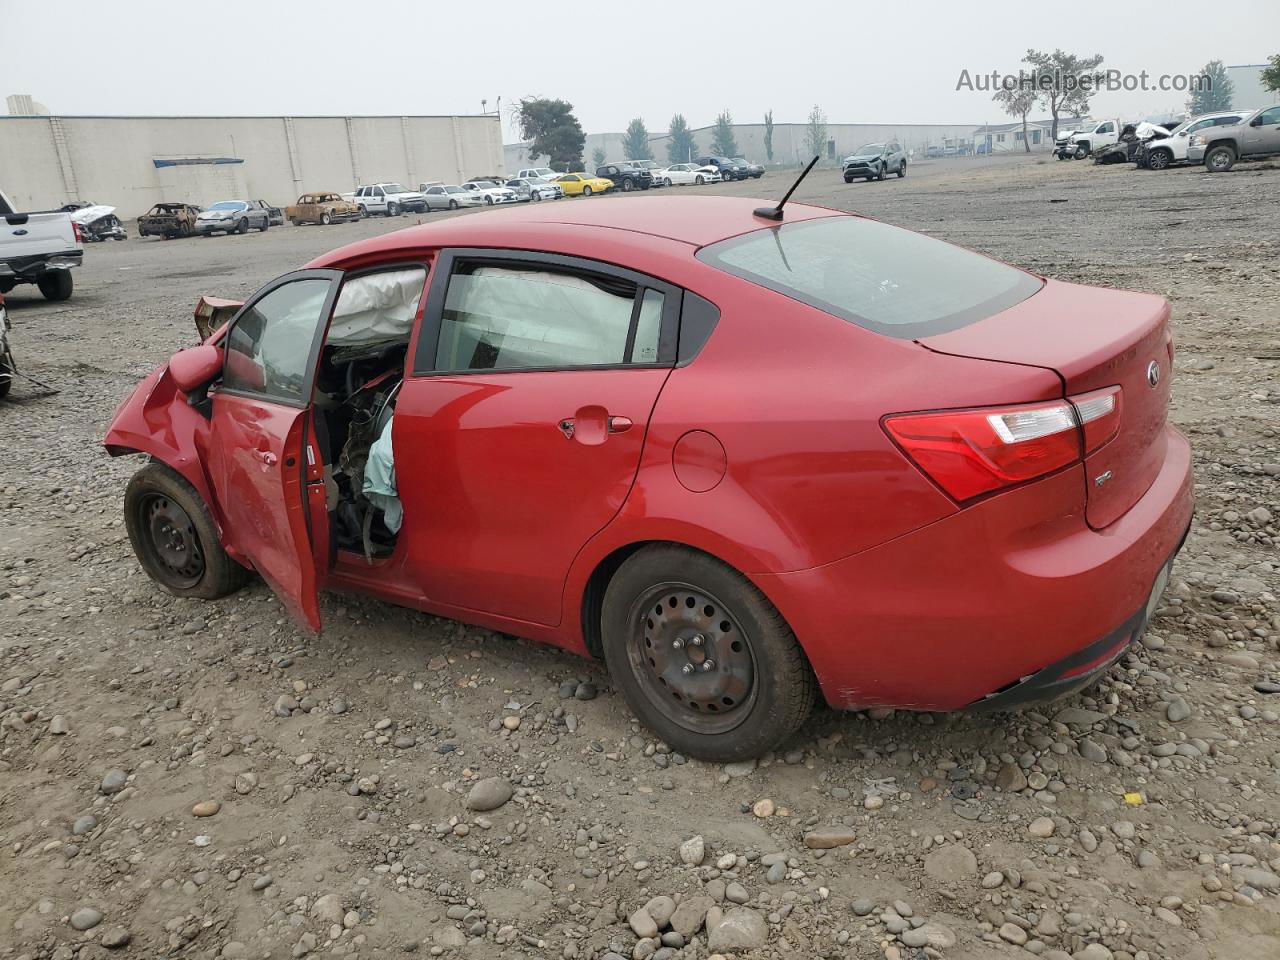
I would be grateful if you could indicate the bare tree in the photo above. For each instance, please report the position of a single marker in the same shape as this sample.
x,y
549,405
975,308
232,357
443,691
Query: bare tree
x,y
1018,101
815,138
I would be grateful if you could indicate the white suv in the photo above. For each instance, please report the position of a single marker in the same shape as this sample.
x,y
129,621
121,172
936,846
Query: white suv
x,y
389,199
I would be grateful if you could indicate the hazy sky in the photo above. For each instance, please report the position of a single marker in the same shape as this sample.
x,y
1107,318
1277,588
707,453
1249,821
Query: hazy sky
x,y
891,62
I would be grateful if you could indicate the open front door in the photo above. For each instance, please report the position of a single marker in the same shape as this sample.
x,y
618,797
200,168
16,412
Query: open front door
x,y
259,433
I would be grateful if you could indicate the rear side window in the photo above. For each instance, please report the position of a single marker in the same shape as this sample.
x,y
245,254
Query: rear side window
x,y
880,277
515,318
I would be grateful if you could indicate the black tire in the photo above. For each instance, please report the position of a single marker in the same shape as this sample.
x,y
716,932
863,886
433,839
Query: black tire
x,y
6,373
848,179
535,196
453,204
56,285
1219,159
586,191
666,181
627,185
1081,152
882,172
295,221
159,503
243,226
325,219
393,210
761,663
902,169
1059,154
266,225
700,180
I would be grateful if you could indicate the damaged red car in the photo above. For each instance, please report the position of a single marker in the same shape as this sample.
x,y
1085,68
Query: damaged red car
x,y
746,462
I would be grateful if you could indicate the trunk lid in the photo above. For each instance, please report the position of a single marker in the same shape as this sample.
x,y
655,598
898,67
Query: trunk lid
x,y
1092,337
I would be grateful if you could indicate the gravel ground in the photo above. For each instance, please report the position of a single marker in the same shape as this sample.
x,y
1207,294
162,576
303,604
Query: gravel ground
x,y
190,779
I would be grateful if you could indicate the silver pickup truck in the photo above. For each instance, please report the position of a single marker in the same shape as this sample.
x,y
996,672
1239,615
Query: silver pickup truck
x,y
39,248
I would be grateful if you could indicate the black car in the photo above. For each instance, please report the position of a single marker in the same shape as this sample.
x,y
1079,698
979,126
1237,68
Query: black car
x,y
729,169
754,170
626,176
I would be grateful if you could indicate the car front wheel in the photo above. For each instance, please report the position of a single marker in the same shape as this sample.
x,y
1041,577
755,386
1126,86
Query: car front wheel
x,y
702,656
174,537
1220,159
586,191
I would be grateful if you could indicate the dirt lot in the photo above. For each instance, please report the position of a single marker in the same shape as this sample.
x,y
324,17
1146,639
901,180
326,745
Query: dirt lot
x,y
1137,820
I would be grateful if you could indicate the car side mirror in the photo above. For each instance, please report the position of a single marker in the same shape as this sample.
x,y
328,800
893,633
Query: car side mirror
x,y
194,368
1257,122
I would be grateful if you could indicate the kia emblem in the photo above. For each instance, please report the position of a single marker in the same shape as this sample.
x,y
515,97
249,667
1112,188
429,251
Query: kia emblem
x,y
1153,373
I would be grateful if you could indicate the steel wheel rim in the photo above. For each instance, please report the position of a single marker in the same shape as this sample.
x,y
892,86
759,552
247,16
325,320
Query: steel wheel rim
x,y
677,629
1219,161
171,540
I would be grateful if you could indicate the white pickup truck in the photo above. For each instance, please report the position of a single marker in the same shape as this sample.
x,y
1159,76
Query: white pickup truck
x,y
1092,139
39,248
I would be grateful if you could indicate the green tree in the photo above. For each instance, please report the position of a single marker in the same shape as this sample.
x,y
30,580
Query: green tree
x,y
1216,92
722,142
815,136
1271,75
1017,102
552,131
768,135
681,146
598,157
635,143
1052,75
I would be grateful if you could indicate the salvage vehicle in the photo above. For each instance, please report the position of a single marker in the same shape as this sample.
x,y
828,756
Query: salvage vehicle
x,y
626,176
1256,136
275,215
683,174
491,192
169,220
583,185
233,216
542,173
38,247
450,196
7,367
527,191
1132,138
729,169
1101,134
652,166
874,161
97,222
754,170
321,208
1162,152
389,199
536,422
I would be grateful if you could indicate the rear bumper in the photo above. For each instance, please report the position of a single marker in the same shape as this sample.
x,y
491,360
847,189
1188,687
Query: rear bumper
x,y
32,266
996,598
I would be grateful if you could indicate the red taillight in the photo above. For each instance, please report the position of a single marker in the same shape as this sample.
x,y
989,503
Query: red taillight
x,y
75,232
973,452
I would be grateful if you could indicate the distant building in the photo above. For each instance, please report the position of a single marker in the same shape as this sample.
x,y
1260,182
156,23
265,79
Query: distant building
x,y
1007,137
134,162
1248,92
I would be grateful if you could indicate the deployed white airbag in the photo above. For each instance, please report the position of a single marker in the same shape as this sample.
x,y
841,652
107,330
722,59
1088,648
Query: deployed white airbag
x,y
377,306
379,485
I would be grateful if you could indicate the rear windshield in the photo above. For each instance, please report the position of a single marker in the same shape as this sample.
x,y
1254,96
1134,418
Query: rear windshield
x,y
883,278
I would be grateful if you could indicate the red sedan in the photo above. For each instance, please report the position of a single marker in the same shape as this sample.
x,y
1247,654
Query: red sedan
x,y
746,462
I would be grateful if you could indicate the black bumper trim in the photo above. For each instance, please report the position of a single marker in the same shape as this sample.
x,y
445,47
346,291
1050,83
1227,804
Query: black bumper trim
x,y
1058,679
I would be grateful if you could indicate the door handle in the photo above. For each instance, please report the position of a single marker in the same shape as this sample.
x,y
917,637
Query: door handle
x,y
619,424
267,457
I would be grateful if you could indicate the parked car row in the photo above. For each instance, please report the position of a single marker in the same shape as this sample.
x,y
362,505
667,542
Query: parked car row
x,y
1216,140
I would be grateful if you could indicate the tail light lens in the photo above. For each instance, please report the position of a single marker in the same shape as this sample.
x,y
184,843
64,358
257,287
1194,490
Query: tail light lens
x,y
75,232
970,453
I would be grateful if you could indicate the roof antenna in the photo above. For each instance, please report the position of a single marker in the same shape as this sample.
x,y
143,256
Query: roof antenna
x,y
775,213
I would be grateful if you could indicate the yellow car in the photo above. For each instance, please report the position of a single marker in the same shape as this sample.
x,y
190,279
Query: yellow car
x,y
583,185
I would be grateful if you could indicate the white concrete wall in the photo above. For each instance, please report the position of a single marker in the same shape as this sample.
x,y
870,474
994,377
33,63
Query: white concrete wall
x,y
48,161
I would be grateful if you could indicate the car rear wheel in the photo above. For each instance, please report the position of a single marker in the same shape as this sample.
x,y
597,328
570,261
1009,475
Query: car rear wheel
x,y
56,285
702,657
174,537
266,225
1220,159
902,169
